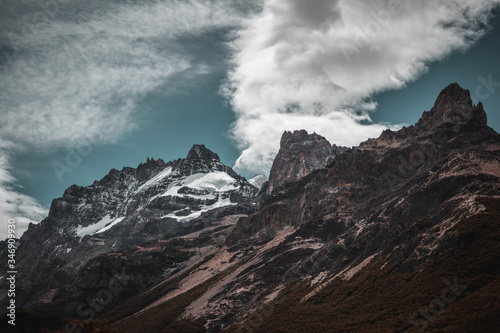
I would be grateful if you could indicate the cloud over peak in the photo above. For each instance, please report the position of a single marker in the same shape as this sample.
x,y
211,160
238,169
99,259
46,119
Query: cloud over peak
x,y
315,64
14,205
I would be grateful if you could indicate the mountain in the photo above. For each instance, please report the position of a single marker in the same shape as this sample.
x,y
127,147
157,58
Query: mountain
x,y
128,207
398,234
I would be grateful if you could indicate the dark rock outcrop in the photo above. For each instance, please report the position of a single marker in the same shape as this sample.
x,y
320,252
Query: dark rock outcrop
x,y
393,200
200,152
300,153
454,106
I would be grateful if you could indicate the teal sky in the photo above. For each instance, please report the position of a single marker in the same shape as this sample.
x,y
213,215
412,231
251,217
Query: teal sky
x,y
156,89
465,68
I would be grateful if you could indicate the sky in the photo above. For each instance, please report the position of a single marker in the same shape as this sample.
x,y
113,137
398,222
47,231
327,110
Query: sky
x,y
87,86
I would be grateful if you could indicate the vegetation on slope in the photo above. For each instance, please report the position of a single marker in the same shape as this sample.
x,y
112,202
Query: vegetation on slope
x,y
458,292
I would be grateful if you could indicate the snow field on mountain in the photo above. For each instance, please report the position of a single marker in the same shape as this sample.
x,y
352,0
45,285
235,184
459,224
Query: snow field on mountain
x,y
162,174
215,181
193,215
104,224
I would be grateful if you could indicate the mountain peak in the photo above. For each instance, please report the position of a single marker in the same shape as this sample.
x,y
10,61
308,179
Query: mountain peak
x,y
453,97
300,153
453,105
200,152
299,136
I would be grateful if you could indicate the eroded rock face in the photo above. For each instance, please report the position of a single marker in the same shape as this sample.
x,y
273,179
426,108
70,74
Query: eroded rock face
x,y
360,179
201,153
452,112
454,105
300,153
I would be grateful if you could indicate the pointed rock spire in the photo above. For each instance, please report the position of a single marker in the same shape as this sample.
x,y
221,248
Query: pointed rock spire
x,y
200,152
453,105
300,153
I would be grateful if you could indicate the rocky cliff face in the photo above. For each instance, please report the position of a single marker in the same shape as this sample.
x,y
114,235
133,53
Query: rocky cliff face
x,y
396,201
361,239
300,153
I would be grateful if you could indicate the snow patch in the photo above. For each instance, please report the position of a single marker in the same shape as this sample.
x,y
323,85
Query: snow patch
x,y
193,215
112,224
104,224
162,174
216,181
212,181
258,180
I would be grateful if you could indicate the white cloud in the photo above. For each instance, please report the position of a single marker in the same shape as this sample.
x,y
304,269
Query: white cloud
x,y
315,64
14,205
80,78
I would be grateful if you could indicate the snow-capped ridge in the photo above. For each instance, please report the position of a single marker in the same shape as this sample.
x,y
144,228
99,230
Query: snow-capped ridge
x,y
258,180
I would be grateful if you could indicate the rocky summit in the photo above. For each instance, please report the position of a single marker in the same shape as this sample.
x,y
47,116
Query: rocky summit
x,y
300,153
398,234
